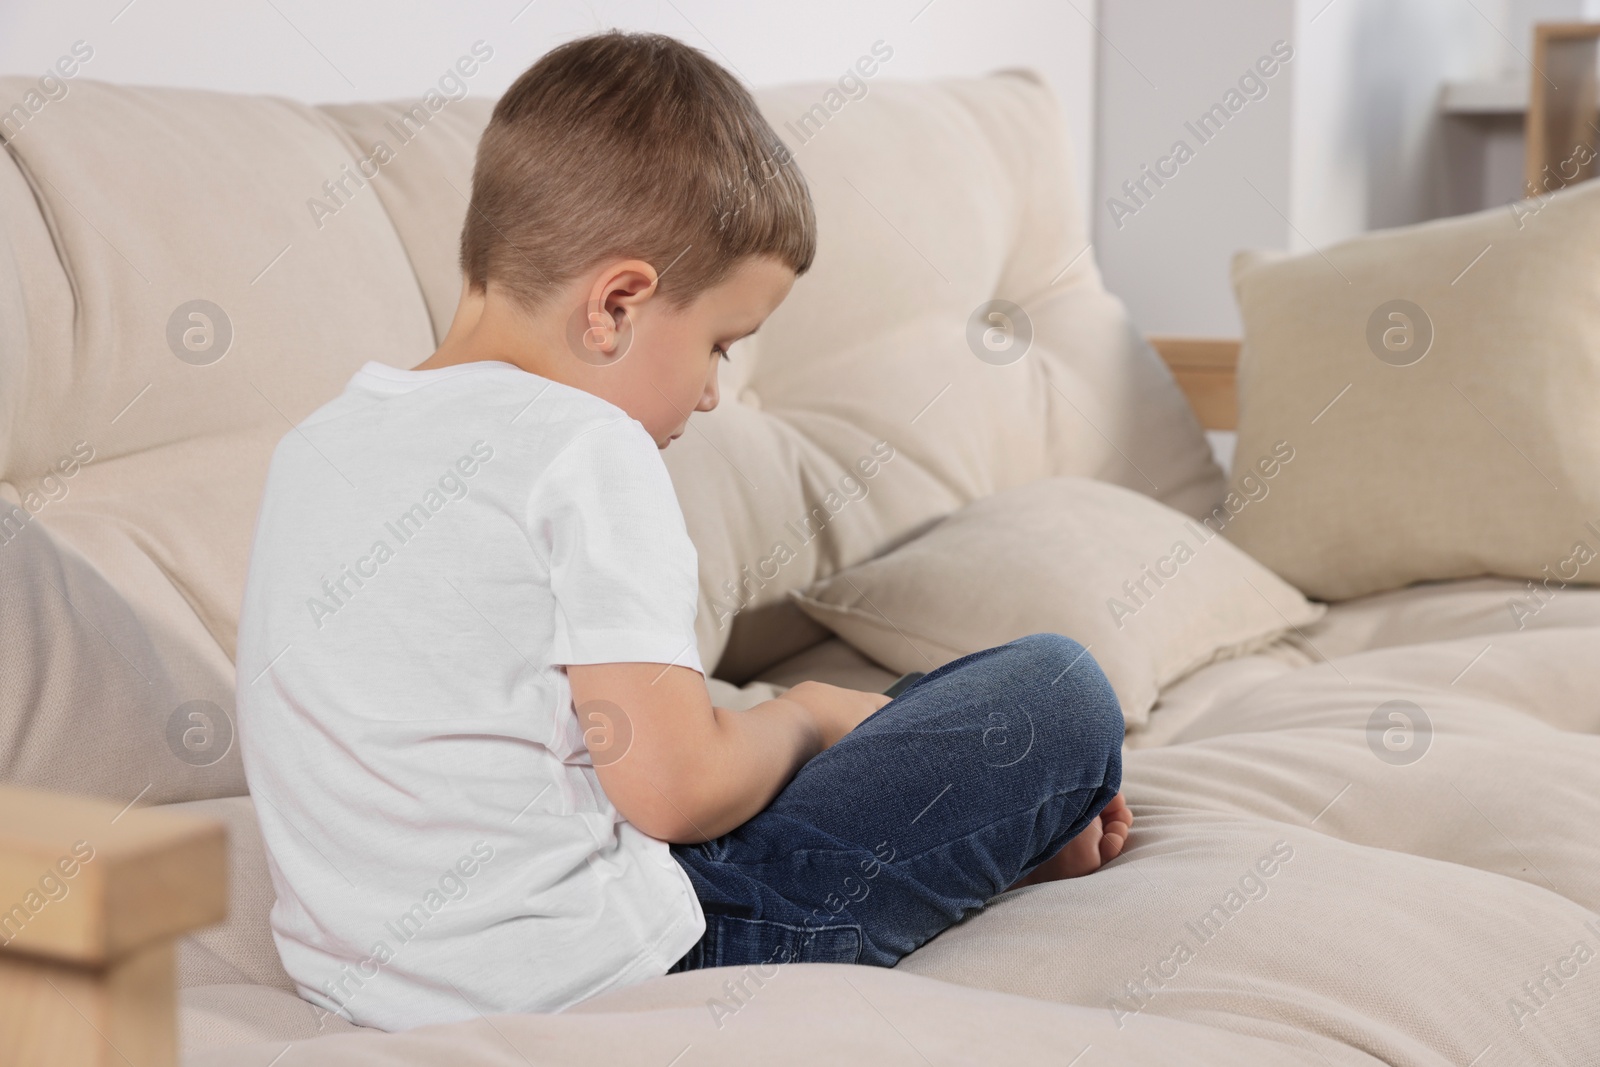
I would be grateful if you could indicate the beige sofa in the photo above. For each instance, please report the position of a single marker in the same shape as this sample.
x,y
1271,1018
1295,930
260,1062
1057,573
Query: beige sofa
x,y
1428,913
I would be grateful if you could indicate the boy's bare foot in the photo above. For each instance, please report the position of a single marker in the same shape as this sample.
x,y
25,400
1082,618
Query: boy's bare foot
x,y
1099,842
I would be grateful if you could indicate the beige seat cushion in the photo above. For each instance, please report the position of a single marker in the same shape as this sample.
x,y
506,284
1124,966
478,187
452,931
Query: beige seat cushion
x,y
226,1017
1150,593
1424,897
1458,439
798,1014
1343,949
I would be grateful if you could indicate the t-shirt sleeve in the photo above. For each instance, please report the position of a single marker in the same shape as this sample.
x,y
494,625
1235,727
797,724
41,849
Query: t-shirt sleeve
x,y
623,572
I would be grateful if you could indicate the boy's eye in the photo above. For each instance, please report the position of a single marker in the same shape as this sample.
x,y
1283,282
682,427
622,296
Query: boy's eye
x,y
718,350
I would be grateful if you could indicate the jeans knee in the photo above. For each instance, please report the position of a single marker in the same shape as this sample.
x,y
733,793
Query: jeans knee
x,y
1049,648
1061,661
1074,697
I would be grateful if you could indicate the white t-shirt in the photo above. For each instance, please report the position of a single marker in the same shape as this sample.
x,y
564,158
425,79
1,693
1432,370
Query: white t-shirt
x,y
432,547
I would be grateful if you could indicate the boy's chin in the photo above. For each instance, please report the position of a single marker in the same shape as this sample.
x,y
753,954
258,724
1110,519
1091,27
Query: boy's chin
x,y
663,435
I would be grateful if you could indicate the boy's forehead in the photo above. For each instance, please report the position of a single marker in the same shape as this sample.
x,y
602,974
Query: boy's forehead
x,y
747,295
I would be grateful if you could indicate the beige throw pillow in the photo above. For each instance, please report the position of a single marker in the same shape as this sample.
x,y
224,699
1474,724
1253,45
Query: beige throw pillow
x,y
1440,387
1151,593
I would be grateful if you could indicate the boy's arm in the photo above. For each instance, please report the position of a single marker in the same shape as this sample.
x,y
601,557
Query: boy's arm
x,y
683,771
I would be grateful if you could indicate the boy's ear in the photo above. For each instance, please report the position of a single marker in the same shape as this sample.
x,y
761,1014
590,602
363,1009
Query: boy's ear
x,y
623,286
617,292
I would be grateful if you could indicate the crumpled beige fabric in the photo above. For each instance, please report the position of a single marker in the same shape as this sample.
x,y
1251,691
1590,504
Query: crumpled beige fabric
x,y
803,1015
1288,896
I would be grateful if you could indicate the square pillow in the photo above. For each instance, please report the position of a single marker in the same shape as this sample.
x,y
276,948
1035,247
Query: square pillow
x,y
1151,593
1440,387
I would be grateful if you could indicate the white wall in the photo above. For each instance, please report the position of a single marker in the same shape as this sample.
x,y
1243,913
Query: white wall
x,y
319,52
1368,148
1347,140
1343,141
1162,64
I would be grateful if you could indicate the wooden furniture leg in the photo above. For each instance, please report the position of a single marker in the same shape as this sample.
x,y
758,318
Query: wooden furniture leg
x,y
91,900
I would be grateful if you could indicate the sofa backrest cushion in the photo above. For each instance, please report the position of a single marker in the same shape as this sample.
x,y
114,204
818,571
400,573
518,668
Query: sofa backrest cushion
x,y
859,415
138,424
933,199
1439,386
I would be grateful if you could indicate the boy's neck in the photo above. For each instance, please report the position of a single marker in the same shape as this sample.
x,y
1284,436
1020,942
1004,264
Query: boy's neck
x,y
486,328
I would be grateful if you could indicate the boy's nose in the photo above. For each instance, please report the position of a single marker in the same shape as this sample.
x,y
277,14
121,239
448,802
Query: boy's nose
x,y
709,398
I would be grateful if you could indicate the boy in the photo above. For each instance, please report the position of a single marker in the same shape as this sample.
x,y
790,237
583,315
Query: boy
x,y
486,766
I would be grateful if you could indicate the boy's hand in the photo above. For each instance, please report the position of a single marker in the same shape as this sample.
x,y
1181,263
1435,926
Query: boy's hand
x,y
684,771
834,710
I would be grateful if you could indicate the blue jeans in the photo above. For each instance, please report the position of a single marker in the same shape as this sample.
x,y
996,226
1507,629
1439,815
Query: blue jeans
x,y
937,802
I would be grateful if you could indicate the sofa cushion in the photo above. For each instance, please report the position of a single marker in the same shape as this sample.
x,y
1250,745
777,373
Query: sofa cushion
x,y
785,1015
1417,912
1439,384
122,206
932,199
99,692
223,1018
1150,593
1362,955
208,202
240,949
832,661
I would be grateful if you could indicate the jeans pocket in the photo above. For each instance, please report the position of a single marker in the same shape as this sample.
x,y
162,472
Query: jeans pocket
x,y
763,941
